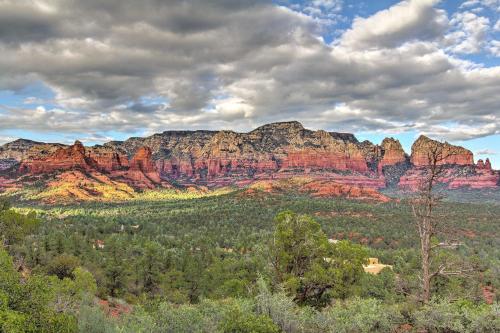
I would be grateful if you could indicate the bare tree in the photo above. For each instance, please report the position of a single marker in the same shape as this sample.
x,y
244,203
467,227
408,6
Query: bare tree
x,y
428,223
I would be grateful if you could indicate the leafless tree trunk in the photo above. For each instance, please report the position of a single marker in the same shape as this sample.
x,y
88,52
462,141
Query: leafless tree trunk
x,y
422,206
427,223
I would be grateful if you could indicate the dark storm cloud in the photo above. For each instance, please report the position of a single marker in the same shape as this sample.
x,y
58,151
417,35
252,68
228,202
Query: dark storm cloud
x,y
238,63
23,23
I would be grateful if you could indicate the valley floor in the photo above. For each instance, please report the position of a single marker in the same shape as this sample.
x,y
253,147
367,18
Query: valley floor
x,y
186,248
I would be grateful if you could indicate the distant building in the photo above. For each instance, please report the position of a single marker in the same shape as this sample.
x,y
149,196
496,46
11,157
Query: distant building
x,y
450,245
374,267
98,244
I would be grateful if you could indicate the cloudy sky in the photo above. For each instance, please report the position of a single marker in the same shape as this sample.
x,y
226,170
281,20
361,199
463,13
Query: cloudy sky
x,y
99,70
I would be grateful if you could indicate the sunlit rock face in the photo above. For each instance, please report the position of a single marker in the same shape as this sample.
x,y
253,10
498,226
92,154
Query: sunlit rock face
x,y
140,172
107,159
64,158
273,151
279,147
449,154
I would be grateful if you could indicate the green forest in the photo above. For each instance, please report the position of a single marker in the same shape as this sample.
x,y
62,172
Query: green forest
x,y
228,262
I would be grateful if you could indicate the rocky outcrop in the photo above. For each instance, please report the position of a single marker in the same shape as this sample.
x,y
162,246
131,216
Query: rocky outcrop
x,y
392,153
75,185
486,165
445,153
7,164
142,171
272,148
22,149
107,159
330,189
327,160
67,158
142,161
481,180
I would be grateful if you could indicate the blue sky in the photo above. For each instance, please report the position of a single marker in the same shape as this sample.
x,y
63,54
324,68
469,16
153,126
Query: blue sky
x,y
375,68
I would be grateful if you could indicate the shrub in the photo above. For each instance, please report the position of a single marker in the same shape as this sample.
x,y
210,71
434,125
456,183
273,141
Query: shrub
x,y
460,316
362,315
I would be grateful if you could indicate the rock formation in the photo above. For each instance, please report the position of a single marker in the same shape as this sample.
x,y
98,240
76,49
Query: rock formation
x,y
392,153
331,189
22,149
486,165
70,186
142,171
65,158
449,154
272,151
107,159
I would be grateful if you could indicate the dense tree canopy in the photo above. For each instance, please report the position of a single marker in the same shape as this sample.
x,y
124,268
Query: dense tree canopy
x,y
220,264
14,226
311,268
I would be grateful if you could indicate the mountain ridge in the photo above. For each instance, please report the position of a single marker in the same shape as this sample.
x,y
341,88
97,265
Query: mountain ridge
x,y
271,151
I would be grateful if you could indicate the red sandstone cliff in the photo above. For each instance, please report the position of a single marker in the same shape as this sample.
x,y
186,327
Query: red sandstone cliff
x,y
67,158
107,159
393,153
459,168
449,154
273,151
142,171
486,165
269,149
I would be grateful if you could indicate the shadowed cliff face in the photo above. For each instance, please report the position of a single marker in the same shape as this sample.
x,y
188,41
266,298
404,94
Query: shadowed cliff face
x,y
273,151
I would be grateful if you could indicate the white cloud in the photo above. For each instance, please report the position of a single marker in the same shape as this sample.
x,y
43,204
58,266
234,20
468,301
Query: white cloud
x,y
404,22
236,64
33,100
491,4
326,13
497,26
5,139
494,47
486,152
469,35
460,132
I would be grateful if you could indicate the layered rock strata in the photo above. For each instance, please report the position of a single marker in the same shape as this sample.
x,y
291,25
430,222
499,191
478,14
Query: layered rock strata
x,y
273,151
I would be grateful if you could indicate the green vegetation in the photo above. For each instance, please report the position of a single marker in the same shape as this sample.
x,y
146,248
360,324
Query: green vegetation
x,y
227,262
311,269
86,188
